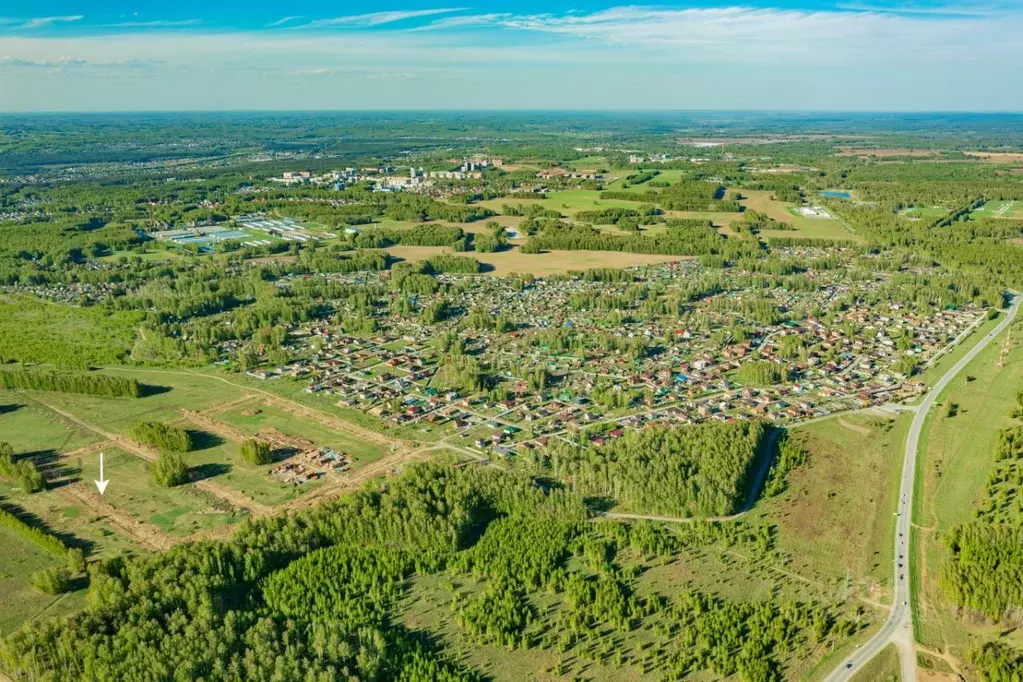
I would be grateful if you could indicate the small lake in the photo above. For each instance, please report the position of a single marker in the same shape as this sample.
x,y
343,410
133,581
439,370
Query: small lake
x,y
836,194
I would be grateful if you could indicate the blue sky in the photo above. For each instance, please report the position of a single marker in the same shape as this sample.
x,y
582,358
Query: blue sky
x,y
111,55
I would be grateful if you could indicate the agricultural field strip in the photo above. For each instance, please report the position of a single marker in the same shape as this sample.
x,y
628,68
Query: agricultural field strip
x,y
900,619
233,497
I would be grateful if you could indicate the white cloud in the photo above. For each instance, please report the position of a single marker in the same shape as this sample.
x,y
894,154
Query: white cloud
x,y
156,23
46,21
378,18
751,35
624,57
283,20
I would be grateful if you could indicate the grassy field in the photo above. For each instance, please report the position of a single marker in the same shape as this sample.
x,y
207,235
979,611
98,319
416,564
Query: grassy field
x,y
956,455
925,212
269,416
814,228
22,602
834,521
30,428
662,176
177,390
882,668
1012,210
178,511
223,461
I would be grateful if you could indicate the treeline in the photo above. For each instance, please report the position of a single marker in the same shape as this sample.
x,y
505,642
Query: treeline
x,y
696,470
421,209
616,215
494,239
23,471
11,518
696,195
163,437
985,570
421,235
85,384
675,242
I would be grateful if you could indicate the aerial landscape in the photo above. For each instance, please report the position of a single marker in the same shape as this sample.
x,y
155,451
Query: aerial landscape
x,y
402,389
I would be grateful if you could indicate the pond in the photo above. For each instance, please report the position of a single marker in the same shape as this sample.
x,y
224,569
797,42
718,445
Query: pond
x,y
836,194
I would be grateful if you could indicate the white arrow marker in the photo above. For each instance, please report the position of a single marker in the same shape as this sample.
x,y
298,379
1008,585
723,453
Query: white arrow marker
x,y
101,483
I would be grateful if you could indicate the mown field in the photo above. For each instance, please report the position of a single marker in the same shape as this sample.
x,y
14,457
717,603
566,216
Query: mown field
x,y
1010,210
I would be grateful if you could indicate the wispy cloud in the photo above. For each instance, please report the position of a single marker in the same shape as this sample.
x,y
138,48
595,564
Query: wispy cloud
x,y
156,23
76,62
39,22
283,20
745,34
378,18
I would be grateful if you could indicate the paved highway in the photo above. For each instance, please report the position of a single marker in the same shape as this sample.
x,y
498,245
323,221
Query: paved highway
x,y
898,629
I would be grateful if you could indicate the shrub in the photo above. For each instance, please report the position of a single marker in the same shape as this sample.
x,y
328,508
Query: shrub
x,y
52,580
161,436
169,470
256,451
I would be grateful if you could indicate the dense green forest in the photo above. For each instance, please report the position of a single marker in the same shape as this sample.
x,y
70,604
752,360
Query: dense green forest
x,y
315,595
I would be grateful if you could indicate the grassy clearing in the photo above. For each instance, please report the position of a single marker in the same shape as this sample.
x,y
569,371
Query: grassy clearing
x,y
223,462
269,416
18,561
834,521
179,511
956,455
76,525
813,228
178,390
1011,210
882,668
30,428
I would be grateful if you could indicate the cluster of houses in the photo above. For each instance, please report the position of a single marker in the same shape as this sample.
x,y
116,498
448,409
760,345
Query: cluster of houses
x,y
692,374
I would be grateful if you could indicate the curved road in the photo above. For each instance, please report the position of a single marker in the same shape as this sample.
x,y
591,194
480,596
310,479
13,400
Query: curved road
x,y
898,628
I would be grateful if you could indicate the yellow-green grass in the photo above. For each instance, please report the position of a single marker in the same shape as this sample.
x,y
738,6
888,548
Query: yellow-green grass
x,y
72,522
176,390
228,385
222,461
1011,210
246,419
36,431
834,521
178,511
617,185
925,211
812,228
21,602
956,455
882,668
